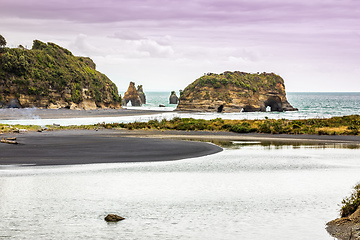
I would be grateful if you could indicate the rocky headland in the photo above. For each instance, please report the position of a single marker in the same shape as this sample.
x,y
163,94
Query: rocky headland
x,y
235,92
49,76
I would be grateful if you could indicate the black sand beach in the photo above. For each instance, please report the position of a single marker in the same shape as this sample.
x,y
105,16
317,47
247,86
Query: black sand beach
x,y
68,147
88,146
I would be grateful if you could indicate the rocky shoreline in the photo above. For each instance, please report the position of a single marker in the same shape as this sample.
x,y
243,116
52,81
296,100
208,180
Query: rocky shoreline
x,y
345,228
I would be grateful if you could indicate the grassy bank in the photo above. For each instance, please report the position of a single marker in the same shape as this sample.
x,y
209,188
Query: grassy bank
x,y
346,125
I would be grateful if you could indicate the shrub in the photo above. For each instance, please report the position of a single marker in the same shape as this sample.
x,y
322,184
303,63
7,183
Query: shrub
x,y
239,129
351,203
264,128
2,41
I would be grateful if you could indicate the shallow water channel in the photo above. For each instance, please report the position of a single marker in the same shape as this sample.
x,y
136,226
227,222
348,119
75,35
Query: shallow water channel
x,y
248,191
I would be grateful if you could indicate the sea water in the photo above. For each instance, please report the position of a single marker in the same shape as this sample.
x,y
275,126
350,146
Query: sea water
x,y
248,192
310,105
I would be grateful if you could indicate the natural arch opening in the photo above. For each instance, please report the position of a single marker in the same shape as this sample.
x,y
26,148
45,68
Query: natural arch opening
x,y
274,104
220,108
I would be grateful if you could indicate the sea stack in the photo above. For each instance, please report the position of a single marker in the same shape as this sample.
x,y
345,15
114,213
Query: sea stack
x,y
173,99
132,96
141,94
235,92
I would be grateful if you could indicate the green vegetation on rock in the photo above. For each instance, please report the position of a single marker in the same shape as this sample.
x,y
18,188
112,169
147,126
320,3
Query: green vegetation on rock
x,y
351,203
247,81
2,41
51,73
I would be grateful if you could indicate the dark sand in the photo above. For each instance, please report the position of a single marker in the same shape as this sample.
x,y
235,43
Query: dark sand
x,y
109,146
88,146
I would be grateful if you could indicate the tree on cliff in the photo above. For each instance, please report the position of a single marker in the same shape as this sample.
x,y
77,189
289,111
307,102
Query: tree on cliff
x,y
2,41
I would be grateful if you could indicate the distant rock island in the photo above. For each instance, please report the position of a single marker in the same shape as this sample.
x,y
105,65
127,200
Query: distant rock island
x,y
235,92
173,99
135,96
49,76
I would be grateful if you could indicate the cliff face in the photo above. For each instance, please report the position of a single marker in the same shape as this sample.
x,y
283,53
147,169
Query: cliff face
x,y
49,76
235,92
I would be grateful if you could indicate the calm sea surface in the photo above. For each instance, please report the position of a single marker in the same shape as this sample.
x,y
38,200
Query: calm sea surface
x,y
310,105
245,192
251,192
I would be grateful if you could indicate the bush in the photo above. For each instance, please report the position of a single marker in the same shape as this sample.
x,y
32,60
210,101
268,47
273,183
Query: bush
x,y
239,129
351,203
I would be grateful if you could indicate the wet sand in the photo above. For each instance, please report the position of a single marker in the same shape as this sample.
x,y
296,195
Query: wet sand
x,y
88,146
68,147
230,136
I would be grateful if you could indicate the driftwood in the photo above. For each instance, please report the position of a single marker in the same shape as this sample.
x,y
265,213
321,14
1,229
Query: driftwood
x,y
19,130
3,140
113,218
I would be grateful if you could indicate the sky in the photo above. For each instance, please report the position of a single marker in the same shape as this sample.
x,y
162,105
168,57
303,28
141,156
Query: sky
x,y
164,45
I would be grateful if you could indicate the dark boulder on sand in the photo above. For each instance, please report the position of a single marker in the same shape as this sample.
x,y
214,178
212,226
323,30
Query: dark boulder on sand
x,y
113,218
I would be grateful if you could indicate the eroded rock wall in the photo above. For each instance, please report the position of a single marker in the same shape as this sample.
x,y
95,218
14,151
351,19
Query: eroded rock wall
x,y
235,92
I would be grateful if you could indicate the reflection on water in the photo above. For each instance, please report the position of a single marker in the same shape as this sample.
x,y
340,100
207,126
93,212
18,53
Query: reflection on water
x,y
236,144
248,191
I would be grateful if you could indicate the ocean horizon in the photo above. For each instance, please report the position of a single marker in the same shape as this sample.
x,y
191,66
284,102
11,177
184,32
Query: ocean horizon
x,y
310,105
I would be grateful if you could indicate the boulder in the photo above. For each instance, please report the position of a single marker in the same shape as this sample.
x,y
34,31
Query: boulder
x,y
113,218
8,141
132,96
173,99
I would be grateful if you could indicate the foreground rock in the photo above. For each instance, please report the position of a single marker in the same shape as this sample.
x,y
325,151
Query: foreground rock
x,y
235,92
113,218
346,227
49,76
173,99
9,141
132,96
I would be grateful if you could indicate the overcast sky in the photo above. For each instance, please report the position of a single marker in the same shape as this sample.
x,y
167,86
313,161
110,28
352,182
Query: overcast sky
x,y
166,44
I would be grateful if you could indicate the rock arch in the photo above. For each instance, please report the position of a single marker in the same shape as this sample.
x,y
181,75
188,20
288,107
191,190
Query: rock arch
x,y
275,104
132,96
